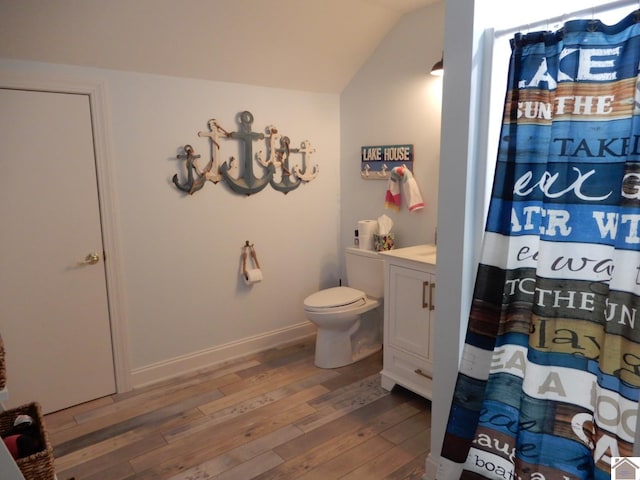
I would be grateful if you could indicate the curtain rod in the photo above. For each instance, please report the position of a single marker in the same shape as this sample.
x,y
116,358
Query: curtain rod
x,y
562,18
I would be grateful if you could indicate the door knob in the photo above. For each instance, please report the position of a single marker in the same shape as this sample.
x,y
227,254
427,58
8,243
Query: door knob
x,y
90,259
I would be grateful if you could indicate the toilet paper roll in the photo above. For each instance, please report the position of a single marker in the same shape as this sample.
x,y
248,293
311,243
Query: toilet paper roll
x,y
366,229
253,276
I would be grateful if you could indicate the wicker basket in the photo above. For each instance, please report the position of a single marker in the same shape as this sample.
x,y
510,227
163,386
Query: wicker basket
x,y
3,366
38,466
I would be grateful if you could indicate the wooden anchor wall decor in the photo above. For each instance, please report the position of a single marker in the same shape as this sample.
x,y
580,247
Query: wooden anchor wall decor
x,y
277,170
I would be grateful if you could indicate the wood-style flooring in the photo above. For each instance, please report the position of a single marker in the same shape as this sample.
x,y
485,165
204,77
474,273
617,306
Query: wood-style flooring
x,y
273,415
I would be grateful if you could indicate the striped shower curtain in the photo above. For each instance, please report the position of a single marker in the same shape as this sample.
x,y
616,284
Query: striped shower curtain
x,y
549,375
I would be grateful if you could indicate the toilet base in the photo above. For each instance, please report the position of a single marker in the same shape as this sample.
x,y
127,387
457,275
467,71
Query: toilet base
x,y
365,352
334,350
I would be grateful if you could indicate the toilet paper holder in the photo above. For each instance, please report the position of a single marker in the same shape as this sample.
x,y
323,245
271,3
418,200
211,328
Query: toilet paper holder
x,y
247,250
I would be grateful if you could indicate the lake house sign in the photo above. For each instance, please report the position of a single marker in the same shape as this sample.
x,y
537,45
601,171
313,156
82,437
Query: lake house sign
x,y
378,161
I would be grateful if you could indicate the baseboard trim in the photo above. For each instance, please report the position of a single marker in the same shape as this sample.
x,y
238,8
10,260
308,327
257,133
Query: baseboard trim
x,y
173,367
430,467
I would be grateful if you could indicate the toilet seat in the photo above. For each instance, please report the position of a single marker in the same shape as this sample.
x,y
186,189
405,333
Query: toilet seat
x,y
335,298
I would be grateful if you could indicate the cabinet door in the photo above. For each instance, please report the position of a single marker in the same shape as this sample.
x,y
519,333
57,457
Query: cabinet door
x,y
409,304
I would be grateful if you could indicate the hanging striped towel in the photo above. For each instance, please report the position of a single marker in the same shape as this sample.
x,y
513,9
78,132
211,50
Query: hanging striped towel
x,y
392,198
403,176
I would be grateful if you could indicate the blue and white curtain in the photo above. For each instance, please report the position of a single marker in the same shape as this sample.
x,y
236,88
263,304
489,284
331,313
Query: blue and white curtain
x,y
550,371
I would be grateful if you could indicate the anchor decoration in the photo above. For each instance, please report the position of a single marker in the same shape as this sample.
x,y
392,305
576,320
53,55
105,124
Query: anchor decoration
x,y
309,173
239,174
212,171
274,137
191,185
285,185
247,183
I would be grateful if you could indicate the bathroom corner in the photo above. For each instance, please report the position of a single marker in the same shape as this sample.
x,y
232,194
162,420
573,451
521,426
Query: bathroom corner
x,y
394,100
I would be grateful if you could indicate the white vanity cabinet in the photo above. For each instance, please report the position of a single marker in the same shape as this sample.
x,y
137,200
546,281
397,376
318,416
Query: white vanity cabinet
x,y
409,316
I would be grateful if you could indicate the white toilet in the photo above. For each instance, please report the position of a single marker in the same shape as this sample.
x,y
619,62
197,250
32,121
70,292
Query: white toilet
x,y
348,319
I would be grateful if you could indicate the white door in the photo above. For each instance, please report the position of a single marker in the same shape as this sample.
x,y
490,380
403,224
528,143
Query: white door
x,y
54,316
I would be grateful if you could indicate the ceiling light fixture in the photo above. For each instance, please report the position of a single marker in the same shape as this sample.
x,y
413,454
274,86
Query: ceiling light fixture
x,y
438,68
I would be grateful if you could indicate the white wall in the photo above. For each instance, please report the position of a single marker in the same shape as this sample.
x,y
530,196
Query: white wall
x,y
459,242
181,254
185,300
394,100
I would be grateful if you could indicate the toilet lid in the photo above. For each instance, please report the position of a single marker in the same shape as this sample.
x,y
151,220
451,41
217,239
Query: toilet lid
x,y
334,297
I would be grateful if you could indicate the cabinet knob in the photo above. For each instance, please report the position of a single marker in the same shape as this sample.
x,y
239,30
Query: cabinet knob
x,y
421,373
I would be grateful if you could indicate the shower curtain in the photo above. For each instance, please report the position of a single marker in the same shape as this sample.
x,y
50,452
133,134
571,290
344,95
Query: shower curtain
x,y
548,381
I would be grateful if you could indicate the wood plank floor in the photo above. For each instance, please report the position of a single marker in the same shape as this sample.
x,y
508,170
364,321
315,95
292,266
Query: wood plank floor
x,y
273,415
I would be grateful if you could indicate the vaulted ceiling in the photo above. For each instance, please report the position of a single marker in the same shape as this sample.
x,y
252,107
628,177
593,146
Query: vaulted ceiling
x,y
312,45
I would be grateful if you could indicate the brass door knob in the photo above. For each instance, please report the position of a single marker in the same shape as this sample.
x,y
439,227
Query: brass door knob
x,y
90,259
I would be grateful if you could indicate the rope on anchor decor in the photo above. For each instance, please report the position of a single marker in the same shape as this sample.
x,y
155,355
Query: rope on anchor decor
x,y
239,174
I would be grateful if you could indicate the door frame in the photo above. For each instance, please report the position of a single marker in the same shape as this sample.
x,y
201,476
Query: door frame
x,y
102,138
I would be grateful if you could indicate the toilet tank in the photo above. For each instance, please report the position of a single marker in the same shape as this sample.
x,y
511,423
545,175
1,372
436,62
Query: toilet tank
x,y
365,271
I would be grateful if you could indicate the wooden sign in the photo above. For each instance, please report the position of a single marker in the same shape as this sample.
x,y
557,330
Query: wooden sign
x,y
377,161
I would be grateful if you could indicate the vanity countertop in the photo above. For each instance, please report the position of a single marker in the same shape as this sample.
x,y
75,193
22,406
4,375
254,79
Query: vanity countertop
x,y
418,253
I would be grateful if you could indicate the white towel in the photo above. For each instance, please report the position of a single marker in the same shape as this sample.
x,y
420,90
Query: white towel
x,y
403,176
412,192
